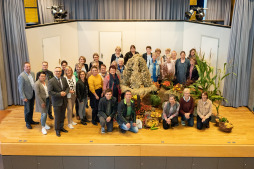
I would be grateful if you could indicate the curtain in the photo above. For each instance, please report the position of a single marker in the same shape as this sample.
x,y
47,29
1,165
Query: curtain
x,y
236,88
12,28
219,10
251,97
127,9
45,15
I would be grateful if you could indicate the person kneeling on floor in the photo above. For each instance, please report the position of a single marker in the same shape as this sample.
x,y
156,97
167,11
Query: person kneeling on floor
x,y
107,110
204,111
126,114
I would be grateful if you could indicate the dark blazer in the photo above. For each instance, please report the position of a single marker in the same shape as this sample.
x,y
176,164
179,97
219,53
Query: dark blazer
x,y
81,89
49,74
194,75
91,64
122,112
86,67
113,57
145,56
127,56
103,107
54,89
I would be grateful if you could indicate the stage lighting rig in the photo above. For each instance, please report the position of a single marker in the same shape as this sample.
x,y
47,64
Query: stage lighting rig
x,y
200,14
58,12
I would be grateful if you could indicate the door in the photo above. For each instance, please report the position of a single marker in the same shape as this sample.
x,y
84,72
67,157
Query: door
x,y
51,52
108,43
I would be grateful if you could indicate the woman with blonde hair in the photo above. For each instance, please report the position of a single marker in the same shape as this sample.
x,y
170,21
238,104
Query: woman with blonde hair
x,y
82,62
71,96
187,105
164,57
117,55
168,69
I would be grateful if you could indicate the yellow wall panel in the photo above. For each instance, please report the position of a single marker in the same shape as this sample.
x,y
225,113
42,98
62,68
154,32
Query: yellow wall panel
x,y
30,3
31,15
193,2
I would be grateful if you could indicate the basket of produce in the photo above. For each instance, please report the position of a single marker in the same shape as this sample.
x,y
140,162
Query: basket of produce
x,y
152,122
226,126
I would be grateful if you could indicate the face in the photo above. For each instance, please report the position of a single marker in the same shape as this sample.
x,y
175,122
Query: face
x,y
44,66
158,53
69,72
148,50
114,63
154,56
182,55
112,71
192,52
108,95
120,62
82,60
27,68
172,100
133,50
204,97
187,94
103,69
42,77
128,96
82,75
78,68
63,66
173,54
58,72
118,51
96,58
167,52
94,71
192,62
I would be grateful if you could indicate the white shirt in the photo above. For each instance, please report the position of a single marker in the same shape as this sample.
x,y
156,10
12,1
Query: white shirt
x,y
46,90
72,85
30,79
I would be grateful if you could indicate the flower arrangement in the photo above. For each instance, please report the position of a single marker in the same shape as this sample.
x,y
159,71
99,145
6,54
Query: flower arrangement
x,y
144,108
178,87
157,85
166,84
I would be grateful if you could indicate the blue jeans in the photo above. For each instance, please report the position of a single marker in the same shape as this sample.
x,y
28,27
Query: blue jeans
x,y
82,108
190,120
44,115
132,128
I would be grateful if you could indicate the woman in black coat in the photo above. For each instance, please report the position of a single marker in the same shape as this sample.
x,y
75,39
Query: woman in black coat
x,y
129,54
193,72
116,55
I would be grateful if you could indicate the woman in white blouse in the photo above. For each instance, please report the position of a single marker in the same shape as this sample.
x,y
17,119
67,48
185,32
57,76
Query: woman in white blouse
x,y
71,96
42,100
168,69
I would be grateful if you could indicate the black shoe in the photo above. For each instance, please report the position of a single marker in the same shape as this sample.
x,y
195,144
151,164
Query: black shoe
x,y
58,133
63,130
34,122
83,122
122,130
51,117
207,126
94,123
28,126
73,115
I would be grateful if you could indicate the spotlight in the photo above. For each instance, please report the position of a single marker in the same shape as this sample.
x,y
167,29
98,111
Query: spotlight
x,y
199,13
189,14
58,13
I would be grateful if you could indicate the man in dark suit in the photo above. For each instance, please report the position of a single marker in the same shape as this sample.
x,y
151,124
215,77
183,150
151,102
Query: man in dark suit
x,y
58,89
26,91
148,55
49,75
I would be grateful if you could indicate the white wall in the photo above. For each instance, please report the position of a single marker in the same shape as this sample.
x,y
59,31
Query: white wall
x,y
156,34
192,39
68,43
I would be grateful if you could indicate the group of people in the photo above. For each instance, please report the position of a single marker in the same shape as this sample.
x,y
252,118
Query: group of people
x,y
67,88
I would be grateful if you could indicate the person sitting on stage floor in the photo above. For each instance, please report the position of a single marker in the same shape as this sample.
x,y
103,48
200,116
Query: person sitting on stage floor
x,y
204,111
170,113
95,86
126,114
95,60
58,89
107,110
42,99
26,91
82,93
49,75
187,108
103,71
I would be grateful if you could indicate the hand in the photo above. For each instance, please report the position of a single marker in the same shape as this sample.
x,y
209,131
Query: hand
x,y
128,125
43,105
71,91
102,94
203,119
63,94
108,119
187,115
202,116
168,120
97,97
25,100
134,124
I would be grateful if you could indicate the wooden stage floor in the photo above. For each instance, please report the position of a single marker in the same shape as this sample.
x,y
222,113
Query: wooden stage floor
x,y
88,141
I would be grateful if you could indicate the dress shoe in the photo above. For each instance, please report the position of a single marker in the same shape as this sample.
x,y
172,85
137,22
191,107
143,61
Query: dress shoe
x,y
122,130
28,126
58,133
83,122
51,117
94,123
77,117
34,122
63,130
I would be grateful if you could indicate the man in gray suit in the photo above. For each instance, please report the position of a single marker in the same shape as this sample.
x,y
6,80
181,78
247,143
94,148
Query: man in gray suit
x,y
26,91
58,89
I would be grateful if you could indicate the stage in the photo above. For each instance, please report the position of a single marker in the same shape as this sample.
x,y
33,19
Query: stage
x,y
181,141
